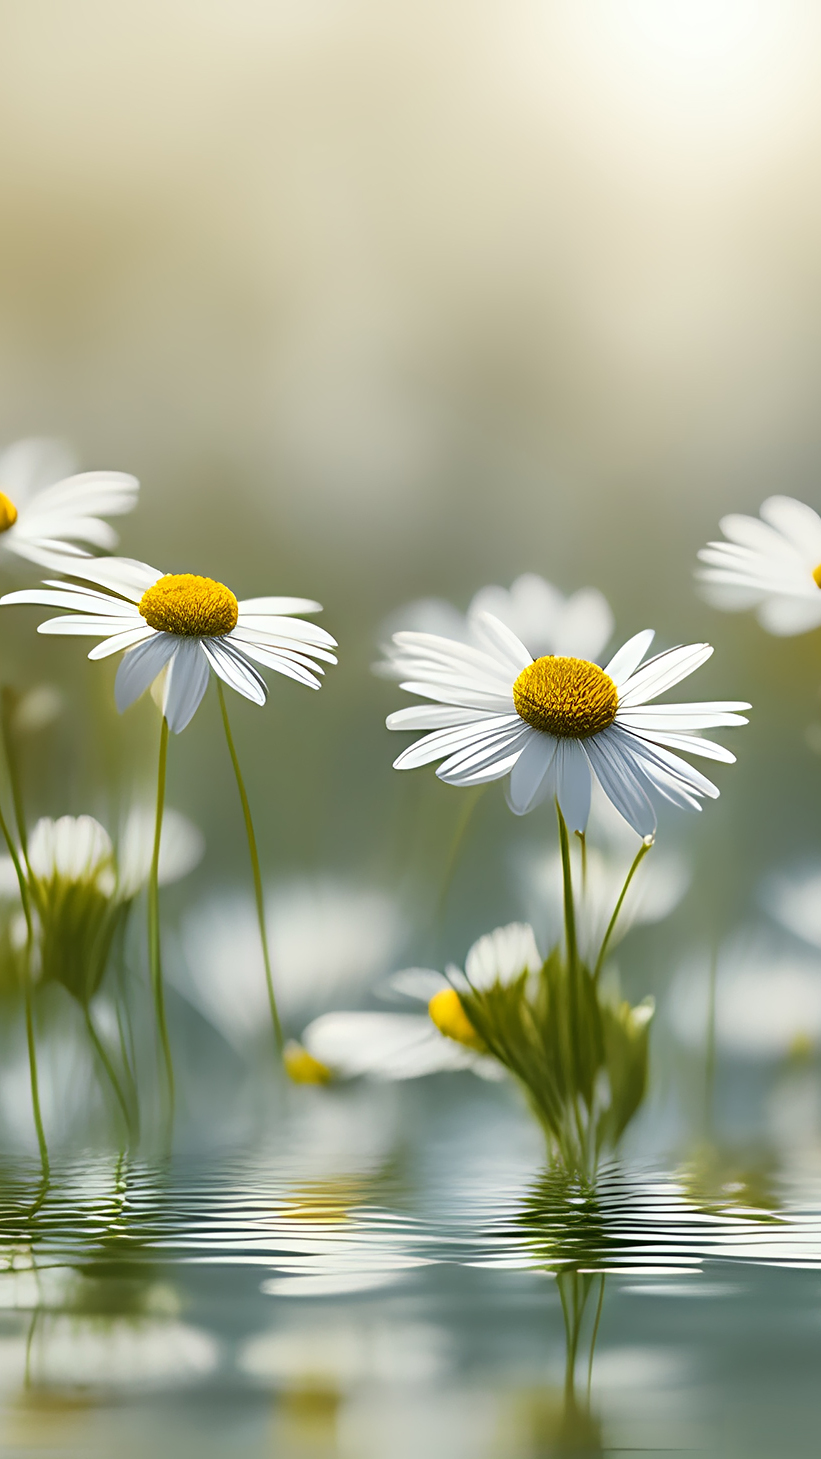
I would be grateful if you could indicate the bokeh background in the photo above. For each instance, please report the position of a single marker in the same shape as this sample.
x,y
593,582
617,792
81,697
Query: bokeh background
x,y
390,302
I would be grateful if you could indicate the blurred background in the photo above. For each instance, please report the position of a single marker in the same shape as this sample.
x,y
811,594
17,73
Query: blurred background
x,y
391,302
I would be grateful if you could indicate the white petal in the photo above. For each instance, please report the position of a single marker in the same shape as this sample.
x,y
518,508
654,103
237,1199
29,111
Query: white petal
x,y
182,847
385,1046
626,661
501,642
140,667
282,663
30,465
502,956
84,600
117,641
683,716
475,759
662,673
278,606
235,670
434,716
88,494
421,984
185,684
619,783
84,625
444,742
246,631
691,744
461,698
664,768
527,775
573,784
496,769
786,616
123,575
797,522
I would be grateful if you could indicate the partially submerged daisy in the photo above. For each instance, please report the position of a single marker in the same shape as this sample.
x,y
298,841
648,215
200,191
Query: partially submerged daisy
x,y
554,722
49,513
546,621
771,563
186,625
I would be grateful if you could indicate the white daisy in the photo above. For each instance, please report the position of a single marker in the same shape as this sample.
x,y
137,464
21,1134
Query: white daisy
x,y
540,615
772,564
396,1046
186,625
553,722
47,511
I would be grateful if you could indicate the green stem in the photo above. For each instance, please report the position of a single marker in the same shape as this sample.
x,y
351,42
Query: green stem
x,y
154,950
611,926
100,1050
7,702
567,887
35,1087
252,849
470,800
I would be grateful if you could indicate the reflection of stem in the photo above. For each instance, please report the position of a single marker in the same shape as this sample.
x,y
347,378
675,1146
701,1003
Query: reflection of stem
x,y
100,1050
29,1344
611,926
710,1051
154,950
594,1335
7,699
252,849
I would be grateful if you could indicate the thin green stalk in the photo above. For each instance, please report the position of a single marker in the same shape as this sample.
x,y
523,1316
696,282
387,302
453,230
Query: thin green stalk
x,y
470,800
35,1085
32,1050
7,701
100,1050
154,950
567,887
257,875
611,926
593,1340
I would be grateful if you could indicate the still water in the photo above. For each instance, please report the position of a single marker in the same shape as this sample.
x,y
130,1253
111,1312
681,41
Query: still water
x,y
360,1286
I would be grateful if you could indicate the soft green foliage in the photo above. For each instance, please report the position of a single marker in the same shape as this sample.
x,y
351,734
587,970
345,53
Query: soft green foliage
x,y
580,1056
77,923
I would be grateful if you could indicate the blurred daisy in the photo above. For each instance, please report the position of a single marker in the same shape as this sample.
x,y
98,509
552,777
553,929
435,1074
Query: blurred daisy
x,y
555,722
330,940
771,563
48,513
394,1046
767,998
186,625
795,902
544,619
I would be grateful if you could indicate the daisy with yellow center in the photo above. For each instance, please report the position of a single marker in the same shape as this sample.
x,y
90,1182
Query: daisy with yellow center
x,y
49,513
555,722
771,563
184,626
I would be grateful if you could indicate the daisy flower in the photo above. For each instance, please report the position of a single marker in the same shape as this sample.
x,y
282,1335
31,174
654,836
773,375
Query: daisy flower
x,y
771,563
47,511
555,722
546,621
398,1046
186,625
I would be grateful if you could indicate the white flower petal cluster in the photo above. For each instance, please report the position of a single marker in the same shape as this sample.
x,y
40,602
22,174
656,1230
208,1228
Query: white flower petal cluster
x,y
768,563
53,514
265,632
78,849
398,1046
546,621
476,729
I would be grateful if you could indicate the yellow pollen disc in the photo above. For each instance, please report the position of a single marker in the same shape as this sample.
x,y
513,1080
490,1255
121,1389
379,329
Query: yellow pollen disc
x,y
302,1067
8,512
448,1014
816,572
189,606
570,698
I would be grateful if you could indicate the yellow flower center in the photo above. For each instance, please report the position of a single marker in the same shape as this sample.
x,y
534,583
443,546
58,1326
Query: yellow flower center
x,y
816,572
447,1012
570,698
302,1067
8,512
189,606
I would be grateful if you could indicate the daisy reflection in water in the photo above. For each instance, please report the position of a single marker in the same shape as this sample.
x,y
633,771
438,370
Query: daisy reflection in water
x,y
49,513
186,626
555,722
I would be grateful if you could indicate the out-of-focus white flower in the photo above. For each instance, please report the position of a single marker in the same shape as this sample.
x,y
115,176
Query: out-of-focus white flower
x,y
395,1046
79,849
768,998
771,563
37,708
794,900
186,625
118,1352
547,622
46,511
329,940
182,847
555,724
